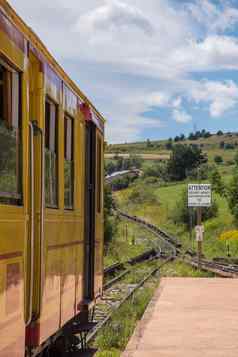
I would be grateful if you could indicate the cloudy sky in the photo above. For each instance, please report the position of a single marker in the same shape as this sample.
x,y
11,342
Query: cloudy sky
x,y
154,68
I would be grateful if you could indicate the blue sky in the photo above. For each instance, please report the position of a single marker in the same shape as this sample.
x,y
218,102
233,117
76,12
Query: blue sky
x,y
154,68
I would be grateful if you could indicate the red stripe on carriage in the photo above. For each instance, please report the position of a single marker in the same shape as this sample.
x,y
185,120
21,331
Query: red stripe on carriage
x,y
33,334
85,109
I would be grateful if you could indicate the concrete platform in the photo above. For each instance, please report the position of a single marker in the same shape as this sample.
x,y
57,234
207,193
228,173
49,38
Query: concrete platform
x,y
189,317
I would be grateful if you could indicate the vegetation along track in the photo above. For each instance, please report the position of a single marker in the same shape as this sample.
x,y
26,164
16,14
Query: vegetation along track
x,y
119,289
220,269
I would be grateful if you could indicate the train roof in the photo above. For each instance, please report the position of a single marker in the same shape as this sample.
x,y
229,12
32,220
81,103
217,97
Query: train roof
x,y
35,41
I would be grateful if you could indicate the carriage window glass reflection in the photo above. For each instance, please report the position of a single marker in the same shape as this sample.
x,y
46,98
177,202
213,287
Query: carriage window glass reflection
x,y
51,157
68,163
10,137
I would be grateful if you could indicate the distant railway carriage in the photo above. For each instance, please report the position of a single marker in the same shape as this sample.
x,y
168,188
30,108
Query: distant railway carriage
x,y
51,201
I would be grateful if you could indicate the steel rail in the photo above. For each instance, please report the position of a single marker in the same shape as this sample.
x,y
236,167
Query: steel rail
x,y
102,323
223,270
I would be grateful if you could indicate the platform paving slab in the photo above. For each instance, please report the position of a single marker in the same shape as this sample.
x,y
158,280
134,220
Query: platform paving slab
x,y
189,317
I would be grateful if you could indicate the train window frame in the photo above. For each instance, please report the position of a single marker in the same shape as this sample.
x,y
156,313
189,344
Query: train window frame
x,y
69,151
48,145
11,115
99,174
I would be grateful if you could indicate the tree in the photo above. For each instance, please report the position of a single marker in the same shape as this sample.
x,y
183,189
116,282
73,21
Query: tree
x,y
207,134
110,222
232,194
218,159
148,143
110,167
236,159
183,159
159,170
219,133
192,136
217,183
169,145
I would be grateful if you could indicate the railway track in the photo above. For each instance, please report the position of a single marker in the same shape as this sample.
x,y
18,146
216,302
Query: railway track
x,y
220,269
117,291
116,294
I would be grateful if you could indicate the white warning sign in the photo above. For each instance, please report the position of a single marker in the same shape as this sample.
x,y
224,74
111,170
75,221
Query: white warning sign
x,y
199,195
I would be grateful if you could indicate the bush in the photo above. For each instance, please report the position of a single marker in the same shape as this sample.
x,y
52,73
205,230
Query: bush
x,y
200,173
181,211
152,180
233,196
218,159
218,185
142,195
110,222
229,146
157,170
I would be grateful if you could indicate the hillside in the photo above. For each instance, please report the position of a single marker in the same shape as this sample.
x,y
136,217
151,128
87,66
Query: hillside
x,y
162,146
223,145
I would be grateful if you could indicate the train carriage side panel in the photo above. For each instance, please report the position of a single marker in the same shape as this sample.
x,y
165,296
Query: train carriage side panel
x,y
13,194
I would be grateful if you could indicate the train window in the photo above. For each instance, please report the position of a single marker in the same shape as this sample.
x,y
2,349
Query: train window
x,y
10,137
51,154
99,175
68,163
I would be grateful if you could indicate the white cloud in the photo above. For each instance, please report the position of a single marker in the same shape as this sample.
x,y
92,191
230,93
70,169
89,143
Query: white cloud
x,y
215,18
221,96
157,99
181,116
177,102
150,50
114,15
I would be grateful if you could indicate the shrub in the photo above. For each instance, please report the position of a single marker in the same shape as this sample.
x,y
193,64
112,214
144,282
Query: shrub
x,y
181,211
141,195
157,170
232,194
218,159
229,146
218,185
110,222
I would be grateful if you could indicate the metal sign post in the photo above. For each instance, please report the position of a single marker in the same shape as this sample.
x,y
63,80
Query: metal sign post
x,y
199,195
199,235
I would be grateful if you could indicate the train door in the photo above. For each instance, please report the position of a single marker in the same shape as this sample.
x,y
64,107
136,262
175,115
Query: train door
x,y
90,183
36,202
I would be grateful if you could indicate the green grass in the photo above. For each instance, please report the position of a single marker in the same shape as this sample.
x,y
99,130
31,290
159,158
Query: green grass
x,y
130,241
180,269
114,337
161,213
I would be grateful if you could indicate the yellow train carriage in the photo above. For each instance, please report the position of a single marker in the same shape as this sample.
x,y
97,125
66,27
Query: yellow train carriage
x,y
51,202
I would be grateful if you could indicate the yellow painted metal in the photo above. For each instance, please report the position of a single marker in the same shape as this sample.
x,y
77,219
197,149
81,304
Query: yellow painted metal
x,y
63,241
